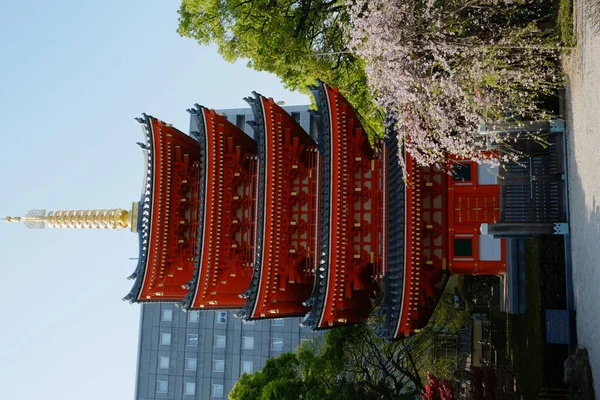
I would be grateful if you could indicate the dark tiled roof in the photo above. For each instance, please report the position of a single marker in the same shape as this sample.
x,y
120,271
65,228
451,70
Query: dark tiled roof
x,y
145,206
198,132
317,298
259,127
396,214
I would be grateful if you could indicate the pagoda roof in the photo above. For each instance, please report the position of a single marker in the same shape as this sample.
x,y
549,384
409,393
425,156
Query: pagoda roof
x,y
268,116
219,277
259,126
317,299
163,148
393,282
198,131
145,205
343,291
412,285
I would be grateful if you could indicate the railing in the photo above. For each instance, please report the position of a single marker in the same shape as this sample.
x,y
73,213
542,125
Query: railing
x,y
532,189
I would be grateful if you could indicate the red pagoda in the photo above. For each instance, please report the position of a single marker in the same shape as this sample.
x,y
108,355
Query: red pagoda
x,y
279,225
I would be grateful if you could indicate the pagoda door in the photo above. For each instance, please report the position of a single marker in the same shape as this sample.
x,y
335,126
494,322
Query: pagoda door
x,y
477,208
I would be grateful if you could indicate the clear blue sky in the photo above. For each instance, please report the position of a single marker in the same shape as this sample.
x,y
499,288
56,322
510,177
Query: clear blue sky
x,y
74,74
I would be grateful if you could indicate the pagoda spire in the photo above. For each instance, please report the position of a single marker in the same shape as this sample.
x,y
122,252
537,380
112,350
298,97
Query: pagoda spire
x,y
115,218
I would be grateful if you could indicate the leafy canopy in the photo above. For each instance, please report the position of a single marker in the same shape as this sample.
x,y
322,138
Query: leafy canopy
x,y
352,363
300,41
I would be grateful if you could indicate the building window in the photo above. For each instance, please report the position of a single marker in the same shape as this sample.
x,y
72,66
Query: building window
x,y
461,172
192,339
217,390
189,388
304,341
194,316
162,386
221,317
165,338
220,341
167,315
296,116
248,322
163,362
463,247
218,365
247,367
312,129
247,342
276,344
191,364
277,322
240,121
487,174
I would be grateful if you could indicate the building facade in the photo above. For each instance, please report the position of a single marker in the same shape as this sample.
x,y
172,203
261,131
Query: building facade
x,y
202,354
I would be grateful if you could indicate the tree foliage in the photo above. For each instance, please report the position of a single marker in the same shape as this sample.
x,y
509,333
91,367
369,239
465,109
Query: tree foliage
x,y
300,41
441,68
438,68
351,363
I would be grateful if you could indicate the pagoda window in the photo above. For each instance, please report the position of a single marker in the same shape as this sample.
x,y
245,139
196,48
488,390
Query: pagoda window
x,y
162,386
194,316
218,365
461,172
221,317
247,367
189,388
217,390
192,339
163,362
247,342
463,247
165,338
220,341
277,344
277,322
167,315
191,364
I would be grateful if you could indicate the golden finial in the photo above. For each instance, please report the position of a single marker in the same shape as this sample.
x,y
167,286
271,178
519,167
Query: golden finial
x,y
115,218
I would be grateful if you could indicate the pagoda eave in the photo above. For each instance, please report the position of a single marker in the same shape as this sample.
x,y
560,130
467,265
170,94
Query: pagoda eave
x,y
226,231
351,236
286,223
165,262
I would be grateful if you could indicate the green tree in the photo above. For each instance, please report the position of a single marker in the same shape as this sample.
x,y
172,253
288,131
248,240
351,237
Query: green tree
x,y
300,41
351,363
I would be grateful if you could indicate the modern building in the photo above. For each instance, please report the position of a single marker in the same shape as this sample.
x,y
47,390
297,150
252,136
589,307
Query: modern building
x,y
202,354
240,116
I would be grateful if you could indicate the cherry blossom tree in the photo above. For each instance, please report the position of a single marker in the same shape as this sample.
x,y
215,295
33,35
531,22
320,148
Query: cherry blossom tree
x,y
441,68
